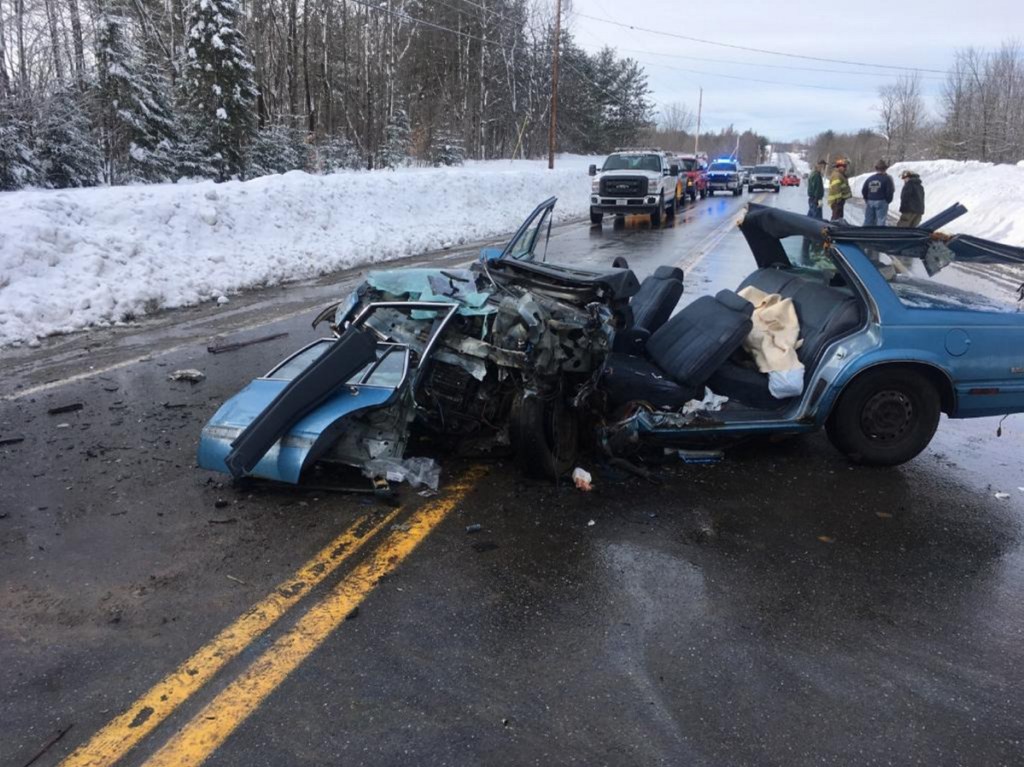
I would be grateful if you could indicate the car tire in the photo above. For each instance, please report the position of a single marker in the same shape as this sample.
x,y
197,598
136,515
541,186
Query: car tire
x,y
656,214
885,417
776,190
545,435
596,218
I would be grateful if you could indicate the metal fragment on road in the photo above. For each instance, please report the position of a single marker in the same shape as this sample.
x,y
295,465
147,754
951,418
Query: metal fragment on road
x,y
232,346
188,374
69,408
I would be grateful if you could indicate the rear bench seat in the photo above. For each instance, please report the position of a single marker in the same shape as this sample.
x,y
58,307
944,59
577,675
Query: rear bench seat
x,y
825,314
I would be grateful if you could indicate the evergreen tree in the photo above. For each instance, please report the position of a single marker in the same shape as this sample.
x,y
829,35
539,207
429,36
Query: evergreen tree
x,y
18,166
218,84
277,149
66,148
136,119
192,153
395,149
338,153
447,149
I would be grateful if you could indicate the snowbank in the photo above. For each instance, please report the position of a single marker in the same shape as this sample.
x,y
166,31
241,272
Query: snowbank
x,y
991,194
74,258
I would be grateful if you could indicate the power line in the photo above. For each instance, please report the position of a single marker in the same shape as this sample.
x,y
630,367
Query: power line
x,y
754,50
750,79
770,66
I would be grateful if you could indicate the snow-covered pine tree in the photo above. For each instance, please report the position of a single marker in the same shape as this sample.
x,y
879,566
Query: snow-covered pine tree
x,y
65,146
277,149
18,166
338,153
135,115
192,152
447,149
217,82
397,140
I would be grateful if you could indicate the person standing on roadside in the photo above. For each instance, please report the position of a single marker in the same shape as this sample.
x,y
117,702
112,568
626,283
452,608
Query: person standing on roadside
x,y
911,199
877,191
839,188
816,190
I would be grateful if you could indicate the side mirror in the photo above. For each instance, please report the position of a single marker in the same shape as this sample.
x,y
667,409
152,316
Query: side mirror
x,y
674,170
592,171
490,254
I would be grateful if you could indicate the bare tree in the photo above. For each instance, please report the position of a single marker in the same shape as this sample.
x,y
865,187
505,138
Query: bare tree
x,y
676,118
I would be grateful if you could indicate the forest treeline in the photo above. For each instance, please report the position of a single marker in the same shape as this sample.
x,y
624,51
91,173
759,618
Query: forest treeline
x,y
116,91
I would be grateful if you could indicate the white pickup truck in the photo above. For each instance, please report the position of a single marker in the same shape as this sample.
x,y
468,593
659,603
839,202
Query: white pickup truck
x,y
637,181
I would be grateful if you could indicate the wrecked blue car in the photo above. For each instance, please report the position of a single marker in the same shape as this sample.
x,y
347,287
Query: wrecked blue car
x,y
540,359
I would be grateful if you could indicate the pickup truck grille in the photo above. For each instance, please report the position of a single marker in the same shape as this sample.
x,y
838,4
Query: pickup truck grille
x,y
624,186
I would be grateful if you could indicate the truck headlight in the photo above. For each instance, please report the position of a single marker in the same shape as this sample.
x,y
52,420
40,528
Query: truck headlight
x,y
595,185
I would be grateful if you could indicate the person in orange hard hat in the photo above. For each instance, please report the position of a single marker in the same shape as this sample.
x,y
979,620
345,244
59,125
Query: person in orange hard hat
x,y
839,188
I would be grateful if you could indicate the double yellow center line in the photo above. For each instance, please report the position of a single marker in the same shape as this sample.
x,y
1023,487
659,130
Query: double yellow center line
x,y
208,729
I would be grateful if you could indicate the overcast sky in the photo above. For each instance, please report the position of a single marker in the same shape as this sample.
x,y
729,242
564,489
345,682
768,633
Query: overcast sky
x,y
916,33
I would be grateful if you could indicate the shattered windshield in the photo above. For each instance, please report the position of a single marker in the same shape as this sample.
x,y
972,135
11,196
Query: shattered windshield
x,y
644,162
387,370
688,163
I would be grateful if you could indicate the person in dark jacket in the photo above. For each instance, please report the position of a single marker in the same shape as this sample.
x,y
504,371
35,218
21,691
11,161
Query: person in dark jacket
x,y
911,199
816,190
877,191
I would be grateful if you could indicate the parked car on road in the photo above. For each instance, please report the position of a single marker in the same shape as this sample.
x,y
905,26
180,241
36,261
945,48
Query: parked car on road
x,y
522,353
724,176
634,181
765,177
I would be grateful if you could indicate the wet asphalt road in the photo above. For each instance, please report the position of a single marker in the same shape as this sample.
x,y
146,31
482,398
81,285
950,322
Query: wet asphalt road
x,y
781,607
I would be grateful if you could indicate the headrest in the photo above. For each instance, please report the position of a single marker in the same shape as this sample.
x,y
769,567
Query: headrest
x,y
669,273
732,301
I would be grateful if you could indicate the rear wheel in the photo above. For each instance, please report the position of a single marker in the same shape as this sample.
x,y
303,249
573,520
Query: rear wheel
x,y
545,435
885,417
596,218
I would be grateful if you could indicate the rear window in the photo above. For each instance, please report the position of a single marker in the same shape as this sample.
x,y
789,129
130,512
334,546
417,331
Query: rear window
x,y
938,282
688,164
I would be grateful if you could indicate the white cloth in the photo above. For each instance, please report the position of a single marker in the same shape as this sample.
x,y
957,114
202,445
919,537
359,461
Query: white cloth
x,y
773,341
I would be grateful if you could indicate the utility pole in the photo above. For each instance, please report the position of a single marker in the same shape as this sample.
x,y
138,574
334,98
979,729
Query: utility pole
x,y
554,86
700,106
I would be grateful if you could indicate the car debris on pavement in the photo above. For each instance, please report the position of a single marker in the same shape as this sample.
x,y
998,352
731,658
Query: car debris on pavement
x,y
189,374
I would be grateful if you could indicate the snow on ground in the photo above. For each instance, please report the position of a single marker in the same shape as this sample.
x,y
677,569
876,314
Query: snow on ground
x,y
74,258
991,194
